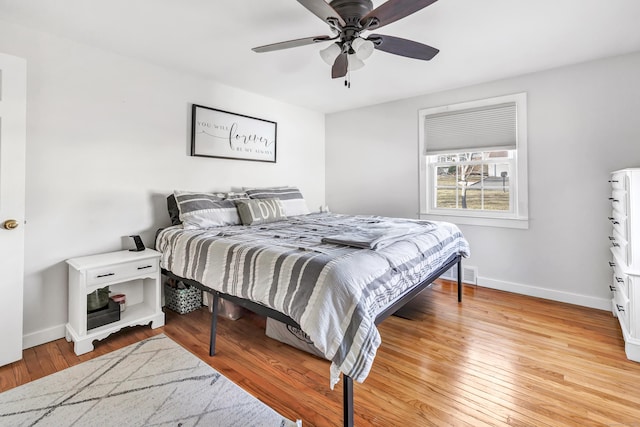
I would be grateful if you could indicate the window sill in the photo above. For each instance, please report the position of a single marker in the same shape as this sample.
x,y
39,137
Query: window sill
x,y
521,223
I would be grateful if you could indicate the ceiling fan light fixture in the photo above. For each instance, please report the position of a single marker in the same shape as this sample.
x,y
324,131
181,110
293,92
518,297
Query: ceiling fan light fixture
x,y
330,53
354,63
363,48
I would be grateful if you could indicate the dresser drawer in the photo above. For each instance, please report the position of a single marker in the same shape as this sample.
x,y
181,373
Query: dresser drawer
x,y
619,247
621,307
621,282
120,272
618,181
619,202
620,257
619,224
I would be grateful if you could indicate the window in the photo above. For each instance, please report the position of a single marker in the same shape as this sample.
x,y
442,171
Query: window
x,y
473,180
473,162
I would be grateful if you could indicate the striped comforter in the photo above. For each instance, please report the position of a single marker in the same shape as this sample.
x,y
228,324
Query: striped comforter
x,y
334,292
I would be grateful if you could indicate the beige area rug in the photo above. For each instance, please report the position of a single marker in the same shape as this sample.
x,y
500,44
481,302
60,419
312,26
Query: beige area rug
x,y
152,383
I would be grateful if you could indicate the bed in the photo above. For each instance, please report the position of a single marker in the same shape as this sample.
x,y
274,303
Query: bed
x,y
333,276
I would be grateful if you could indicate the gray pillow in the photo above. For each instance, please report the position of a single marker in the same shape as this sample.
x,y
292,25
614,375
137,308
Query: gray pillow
x,y
205,210
236,196
262,211
291,198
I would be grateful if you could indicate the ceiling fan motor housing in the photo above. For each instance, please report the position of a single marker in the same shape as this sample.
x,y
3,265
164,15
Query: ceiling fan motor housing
x,y
352,11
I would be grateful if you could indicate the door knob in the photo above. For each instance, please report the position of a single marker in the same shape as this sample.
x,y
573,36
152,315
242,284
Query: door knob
x,y
10,224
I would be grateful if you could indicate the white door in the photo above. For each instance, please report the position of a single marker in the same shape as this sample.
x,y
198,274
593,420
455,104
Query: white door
x,y
13,101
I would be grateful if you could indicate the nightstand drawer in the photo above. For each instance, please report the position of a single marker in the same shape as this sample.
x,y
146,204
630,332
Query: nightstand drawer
x,y
120,272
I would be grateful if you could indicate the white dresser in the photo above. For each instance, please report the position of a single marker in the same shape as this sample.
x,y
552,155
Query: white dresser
x,y
625,247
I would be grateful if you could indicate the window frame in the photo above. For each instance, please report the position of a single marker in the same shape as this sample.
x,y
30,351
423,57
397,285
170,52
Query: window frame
x,y
518,182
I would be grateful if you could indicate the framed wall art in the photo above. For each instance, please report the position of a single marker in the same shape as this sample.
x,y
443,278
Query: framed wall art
x,y
217,133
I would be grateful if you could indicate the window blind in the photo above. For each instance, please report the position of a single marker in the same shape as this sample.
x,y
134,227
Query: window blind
x,y
483,128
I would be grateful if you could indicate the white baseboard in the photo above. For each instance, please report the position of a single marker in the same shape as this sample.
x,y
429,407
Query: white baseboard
x,y
551,294
56,332
44,336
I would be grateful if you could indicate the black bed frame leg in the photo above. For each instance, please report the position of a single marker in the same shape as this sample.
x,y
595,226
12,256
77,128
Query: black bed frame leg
x,y
347,400
214,323
460,280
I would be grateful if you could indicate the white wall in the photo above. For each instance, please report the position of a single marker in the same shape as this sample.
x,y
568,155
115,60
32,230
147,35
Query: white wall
x,y
107,139
583,123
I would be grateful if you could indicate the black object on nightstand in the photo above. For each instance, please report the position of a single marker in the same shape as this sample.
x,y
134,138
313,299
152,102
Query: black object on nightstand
x,y
109,314
139,245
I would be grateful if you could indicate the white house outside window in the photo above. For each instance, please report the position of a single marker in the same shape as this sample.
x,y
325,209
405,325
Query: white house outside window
x,y
473,167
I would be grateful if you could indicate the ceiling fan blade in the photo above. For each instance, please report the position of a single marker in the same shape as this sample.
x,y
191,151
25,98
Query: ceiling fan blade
x,y
392,10
322,10
291,43
340,66
403,47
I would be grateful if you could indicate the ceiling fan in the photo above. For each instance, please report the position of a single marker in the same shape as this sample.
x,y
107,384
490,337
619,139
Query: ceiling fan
x,y
348,19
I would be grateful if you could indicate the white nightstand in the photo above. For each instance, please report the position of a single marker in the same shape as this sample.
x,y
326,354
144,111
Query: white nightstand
x,y
135,274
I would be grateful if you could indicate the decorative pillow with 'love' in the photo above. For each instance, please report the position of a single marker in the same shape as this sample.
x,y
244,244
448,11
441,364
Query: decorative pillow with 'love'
x,y
260,211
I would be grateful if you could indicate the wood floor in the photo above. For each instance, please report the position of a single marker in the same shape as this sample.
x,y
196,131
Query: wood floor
x,y
495,359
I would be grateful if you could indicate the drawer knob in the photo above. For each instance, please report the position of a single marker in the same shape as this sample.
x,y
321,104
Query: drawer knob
x,y
619,279
613,180
619,307
612,264
612,288
612,238
146,266
615,245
